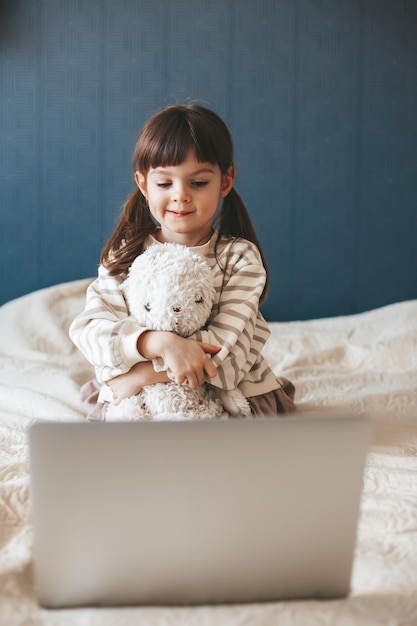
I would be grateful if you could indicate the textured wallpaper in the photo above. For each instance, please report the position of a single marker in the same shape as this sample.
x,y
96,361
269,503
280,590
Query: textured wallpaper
x,y
321,99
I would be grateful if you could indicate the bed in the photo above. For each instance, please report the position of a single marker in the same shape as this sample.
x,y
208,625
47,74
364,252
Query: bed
x,y
359,363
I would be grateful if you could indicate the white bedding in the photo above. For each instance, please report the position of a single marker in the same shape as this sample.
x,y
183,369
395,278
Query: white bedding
x,y
365,362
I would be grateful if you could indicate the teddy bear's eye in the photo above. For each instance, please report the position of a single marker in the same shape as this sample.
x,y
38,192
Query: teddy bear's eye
x,y
199,300
147,306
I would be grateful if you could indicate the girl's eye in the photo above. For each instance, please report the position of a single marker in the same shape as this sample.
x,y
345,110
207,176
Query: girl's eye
x,y
199,300
197,184
147,306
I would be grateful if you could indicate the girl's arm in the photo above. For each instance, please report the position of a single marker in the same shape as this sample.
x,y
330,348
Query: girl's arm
x,y
104,332
129,384
237,325
142,374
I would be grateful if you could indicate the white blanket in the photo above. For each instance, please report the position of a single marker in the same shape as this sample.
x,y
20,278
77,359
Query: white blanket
x,y
365,362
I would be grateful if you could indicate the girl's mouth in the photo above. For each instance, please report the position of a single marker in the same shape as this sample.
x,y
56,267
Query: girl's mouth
x,y
180,213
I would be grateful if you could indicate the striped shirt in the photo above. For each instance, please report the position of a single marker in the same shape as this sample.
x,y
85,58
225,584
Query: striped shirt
x,y
107,334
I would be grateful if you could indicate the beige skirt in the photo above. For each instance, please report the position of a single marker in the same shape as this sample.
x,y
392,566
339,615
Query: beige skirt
x,y
279,401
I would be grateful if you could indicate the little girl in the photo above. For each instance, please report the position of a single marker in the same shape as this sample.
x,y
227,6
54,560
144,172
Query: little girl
x,y
184,172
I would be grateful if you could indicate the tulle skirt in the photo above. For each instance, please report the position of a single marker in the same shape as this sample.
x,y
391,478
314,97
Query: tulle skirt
x,y
279,401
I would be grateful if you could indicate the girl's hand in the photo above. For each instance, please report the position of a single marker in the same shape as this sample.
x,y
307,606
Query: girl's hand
x,y
187,359
130,383
188,362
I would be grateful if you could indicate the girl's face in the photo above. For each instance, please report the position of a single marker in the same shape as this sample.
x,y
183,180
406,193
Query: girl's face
x,y
184,198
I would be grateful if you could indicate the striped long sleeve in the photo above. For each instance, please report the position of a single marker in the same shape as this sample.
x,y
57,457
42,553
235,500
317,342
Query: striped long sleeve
x,y
105,332
236,323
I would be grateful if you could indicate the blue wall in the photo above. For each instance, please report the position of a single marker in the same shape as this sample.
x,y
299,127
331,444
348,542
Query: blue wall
x,y
320,96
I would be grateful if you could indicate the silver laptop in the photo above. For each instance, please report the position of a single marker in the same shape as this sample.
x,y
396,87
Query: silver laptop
x,y
241,510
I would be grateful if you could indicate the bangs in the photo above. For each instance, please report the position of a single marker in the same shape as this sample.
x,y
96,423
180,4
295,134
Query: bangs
x,y
172,135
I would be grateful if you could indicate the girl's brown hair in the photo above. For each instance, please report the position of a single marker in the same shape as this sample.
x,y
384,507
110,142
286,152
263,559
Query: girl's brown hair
x,y
165,140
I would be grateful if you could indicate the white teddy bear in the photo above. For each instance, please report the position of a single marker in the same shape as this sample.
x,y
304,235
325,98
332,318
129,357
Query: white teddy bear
x,y
171,288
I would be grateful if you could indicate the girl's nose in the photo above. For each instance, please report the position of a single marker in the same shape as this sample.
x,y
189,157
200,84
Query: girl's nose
x,y
180,193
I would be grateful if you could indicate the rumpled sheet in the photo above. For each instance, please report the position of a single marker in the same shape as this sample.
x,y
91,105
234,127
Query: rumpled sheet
x,y
360,363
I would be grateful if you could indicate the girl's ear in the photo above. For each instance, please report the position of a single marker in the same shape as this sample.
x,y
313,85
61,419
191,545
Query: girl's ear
x,y
228,181
140,180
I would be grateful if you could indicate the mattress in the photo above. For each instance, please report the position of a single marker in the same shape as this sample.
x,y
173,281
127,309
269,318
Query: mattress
x,y
359,363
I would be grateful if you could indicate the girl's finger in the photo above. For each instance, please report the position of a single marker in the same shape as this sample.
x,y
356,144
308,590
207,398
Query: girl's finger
x,y
210,369
209,348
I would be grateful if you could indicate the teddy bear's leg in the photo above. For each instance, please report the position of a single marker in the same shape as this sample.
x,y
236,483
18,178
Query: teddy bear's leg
x,y
234,402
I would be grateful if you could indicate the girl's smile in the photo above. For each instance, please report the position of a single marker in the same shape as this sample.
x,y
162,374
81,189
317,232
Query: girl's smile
x,y
184,198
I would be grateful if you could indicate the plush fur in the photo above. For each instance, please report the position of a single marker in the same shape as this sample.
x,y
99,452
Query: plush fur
x,y
171,288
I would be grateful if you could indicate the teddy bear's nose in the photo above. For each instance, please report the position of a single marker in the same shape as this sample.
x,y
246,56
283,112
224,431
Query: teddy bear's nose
x,y
176,309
